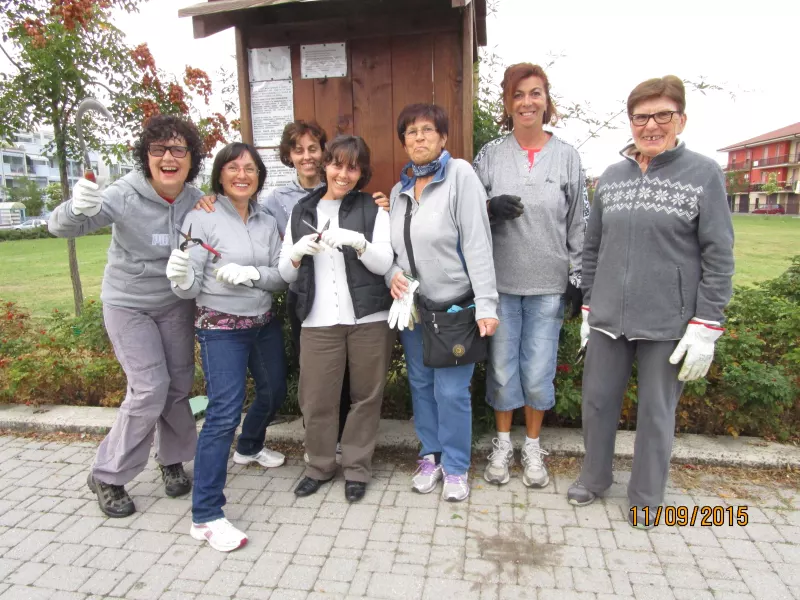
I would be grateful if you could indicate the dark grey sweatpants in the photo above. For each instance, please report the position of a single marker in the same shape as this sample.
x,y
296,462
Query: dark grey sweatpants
x,y
156,350
605,377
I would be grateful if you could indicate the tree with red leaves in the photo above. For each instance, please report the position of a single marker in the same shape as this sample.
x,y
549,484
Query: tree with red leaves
x,y
66,50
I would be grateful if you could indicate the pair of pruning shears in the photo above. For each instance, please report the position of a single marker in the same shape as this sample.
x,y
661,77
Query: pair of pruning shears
x,y
189,241
581,353
319,232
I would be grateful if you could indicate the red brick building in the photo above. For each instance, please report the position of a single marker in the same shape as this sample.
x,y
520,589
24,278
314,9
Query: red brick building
x,y
753,161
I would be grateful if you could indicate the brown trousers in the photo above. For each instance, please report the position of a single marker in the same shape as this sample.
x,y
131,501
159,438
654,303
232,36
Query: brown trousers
x,y
366,349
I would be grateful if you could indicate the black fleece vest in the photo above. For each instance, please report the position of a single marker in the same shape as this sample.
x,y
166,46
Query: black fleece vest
x,y
357,213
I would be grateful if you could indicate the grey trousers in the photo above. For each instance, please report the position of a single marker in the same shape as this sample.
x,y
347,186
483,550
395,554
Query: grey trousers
x,y
324,351
605,377
156,350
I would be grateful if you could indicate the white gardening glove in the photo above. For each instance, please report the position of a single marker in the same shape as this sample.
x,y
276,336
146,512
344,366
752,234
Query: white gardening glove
x,y
336,238
87,199
585,329
306,246
234,274
179,270
698,346
403,313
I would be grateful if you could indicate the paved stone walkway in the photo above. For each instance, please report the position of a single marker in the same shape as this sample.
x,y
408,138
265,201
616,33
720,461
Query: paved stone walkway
x,y
507,543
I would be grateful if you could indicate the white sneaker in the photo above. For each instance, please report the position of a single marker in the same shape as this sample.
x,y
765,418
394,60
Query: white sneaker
x,y
455,488
220,535
338,453
427,475
534,473
265,457
500,460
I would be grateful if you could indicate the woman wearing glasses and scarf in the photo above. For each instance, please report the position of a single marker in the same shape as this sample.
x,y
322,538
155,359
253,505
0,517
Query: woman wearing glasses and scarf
x,y
150,329
657,269
439,213
537,205
236,330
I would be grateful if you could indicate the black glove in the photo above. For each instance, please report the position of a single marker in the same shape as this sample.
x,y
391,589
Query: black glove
x,y
506,207
573,299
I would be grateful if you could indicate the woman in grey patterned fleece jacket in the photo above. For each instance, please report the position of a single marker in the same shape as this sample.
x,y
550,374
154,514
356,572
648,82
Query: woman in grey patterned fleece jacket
x,y
657,268
537,206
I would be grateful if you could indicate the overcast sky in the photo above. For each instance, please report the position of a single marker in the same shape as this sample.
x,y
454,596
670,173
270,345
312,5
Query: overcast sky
x,y
750,48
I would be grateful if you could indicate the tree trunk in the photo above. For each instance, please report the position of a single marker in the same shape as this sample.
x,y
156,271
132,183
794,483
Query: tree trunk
x,y
74,273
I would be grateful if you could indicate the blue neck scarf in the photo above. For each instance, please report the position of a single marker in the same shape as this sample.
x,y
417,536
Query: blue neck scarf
x,y
431,168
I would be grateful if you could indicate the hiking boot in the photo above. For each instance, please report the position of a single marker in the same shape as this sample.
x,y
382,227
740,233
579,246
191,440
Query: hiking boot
x,y
176,481
578,495
113,499
427,475
500,460
535,473
455,488
220,534
265,457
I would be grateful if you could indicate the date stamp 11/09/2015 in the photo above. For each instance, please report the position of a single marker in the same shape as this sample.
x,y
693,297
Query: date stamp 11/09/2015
x,y
705,516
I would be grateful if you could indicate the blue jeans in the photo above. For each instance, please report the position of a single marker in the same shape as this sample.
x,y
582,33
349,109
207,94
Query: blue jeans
x,y
523,352
227,356
442,406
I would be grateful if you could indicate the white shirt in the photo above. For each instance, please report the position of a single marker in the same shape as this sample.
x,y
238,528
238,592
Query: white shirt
x,y
332,302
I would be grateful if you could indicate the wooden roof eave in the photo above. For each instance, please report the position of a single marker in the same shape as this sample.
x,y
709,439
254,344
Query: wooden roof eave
x,y
209,18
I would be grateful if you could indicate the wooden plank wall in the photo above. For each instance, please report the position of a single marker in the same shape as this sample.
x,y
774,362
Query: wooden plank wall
x,y
384,75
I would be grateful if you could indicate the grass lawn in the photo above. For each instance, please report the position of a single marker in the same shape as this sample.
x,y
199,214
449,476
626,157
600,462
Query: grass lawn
x,y
35,273
763,246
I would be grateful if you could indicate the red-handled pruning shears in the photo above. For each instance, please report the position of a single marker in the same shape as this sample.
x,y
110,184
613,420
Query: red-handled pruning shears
x,y
189,241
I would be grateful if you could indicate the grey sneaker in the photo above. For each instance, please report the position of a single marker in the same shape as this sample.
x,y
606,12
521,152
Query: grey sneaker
x,y
534,473
113,499
455,488
427,475
578,495
176,481
640,522
500,461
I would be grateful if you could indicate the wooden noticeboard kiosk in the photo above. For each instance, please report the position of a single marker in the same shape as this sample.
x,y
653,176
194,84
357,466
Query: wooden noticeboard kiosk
x,y
351,65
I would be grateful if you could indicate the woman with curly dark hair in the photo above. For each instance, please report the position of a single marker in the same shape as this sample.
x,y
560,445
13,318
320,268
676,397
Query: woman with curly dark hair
x,y
150,328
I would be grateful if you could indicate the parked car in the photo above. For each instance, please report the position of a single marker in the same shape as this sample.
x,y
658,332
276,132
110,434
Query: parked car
x,y
770,209
32,224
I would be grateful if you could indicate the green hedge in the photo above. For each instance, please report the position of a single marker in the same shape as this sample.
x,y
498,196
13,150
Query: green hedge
x,y
753,387
11,235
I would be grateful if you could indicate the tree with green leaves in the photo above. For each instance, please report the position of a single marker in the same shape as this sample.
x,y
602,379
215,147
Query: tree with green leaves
x,y
63,51
771,187
52,196
29,193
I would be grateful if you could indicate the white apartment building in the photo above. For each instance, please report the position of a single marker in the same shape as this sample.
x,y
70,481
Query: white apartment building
x,y
25,156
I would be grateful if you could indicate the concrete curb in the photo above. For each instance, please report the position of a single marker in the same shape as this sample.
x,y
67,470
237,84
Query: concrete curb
x,y
400,435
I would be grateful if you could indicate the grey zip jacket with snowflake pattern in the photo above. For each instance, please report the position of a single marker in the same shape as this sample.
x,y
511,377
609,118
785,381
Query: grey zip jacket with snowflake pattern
x,y
659,246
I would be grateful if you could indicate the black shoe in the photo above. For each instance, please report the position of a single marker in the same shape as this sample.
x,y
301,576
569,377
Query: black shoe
x,y
113,499
354,490
176,481
308,486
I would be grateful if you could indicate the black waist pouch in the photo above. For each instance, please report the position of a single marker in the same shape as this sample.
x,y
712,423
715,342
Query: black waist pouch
x,y
450,339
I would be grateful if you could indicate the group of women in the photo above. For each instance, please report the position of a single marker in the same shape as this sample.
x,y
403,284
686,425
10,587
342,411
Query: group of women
x,y
500,241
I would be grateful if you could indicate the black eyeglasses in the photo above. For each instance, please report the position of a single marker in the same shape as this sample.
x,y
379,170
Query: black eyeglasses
x,y
161,150
662,117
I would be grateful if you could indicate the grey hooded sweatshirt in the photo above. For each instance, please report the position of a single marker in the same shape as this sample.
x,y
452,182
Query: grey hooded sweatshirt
x,y
659,246
255,243
280,201
143,236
